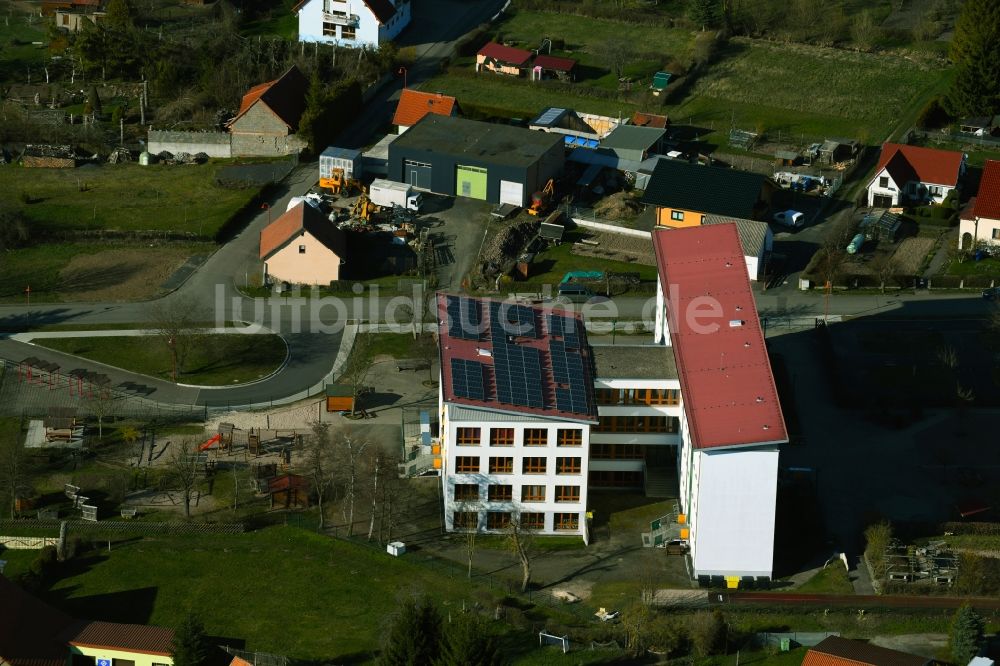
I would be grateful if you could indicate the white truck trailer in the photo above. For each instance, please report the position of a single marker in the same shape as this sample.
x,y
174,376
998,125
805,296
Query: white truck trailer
x,y
388,193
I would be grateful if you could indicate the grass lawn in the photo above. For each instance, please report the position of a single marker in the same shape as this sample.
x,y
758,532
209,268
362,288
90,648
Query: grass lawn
x,y
804,90
793,657
214,360
279,21
396,345
974,541
283,590
989,266
831,580
555,262
91,271
17,52
126,197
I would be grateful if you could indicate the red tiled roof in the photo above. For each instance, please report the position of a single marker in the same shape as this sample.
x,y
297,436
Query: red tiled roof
x,y
414,105
987,202
926,165
506,54
481,351
725,374
29,629
285,97
641,119
127,637
554,63
836,651
291,224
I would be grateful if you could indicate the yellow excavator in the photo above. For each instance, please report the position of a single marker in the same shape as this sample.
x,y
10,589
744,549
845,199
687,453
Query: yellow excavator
x,y
541,201
338,184
363,209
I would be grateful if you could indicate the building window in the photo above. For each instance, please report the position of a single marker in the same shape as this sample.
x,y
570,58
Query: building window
x,y
569,437
883,182
617,451
656,396
533,466
606,396
677,215
566,521
329,29
532,493
501,437
466,492
302,249
568,465
500,493
935,190
663,397
615,479
533,521
536,437
567,493
467,464
501,465
347,32
638,424
465,520
467,436
497,520
996,234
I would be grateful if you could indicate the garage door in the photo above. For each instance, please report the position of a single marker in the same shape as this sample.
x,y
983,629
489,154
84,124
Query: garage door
x,y
470,182
881,201
417,174
511,192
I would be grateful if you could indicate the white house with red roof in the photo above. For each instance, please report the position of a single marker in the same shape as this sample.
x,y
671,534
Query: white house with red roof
x,y
354,23
731,423
980,220
914,175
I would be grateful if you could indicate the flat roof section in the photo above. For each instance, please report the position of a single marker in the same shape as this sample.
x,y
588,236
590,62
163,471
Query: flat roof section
x,y
725,373
487,142
633,362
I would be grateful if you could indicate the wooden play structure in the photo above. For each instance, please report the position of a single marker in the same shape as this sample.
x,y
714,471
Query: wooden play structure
x,y
288,490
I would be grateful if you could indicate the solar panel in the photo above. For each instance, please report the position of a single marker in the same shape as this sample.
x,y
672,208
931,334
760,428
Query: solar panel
x,y
567,328
464,318
508,319
467,379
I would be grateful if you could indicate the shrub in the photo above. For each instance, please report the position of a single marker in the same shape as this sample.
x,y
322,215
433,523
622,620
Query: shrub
x,y
933,115
708,633
44,564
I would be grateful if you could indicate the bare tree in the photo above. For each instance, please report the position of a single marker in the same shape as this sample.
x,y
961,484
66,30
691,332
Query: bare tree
x,y
617,54
634,620
884,266
183,471
392,501
470,543
320,464
376,462
101,404
349,447
176,322
521,541
13,471
357,367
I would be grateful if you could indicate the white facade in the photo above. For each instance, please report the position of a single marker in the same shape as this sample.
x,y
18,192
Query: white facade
x,y
883,185
559,515
978,230
349,22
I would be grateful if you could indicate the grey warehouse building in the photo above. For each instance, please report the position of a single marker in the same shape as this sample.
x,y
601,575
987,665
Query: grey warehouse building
x,y
467,158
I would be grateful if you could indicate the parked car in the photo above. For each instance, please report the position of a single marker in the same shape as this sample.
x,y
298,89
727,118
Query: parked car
x,y
790,218
992,293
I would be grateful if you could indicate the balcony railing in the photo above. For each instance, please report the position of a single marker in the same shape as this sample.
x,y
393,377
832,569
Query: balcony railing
x,y
342,19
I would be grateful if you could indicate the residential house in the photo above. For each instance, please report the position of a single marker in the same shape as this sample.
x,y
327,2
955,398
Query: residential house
x,y
641,119
533,416
35,634
74,20
914,175
502,59
837,651
269,117
302,247
756,239
629,142
460,157
684,193
552,67
980,219
50,7
414,105
353,23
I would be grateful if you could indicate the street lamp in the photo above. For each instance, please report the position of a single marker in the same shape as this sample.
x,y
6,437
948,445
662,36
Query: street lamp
x,y
402,72
266,206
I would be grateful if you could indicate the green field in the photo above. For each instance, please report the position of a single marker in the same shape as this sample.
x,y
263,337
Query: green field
x,y
214,360
17,52
125,197
557,261
805,90
832,579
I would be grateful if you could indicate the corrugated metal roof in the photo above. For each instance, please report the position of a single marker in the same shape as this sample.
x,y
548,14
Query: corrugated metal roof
x,y
753,233
630,137
836,651
126,637
725,374
461,413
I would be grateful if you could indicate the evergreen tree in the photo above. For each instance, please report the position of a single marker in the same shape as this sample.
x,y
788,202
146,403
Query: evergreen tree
x,y
468,641
975,50
966,634
414,639
120,14
190,647
705,13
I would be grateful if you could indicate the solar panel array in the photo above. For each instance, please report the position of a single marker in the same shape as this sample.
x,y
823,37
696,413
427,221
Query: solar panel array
x,y
567,327
518,373
464,318
467,379
568,370
508,319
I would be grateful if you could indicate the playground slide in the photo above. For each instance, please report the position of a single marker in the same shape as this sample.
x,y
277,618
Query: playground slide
x,y
208,444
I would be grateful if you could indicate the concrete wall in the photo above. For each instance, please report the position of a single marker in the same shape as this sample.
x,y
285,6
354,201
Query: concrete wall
x,y
213,144
317,265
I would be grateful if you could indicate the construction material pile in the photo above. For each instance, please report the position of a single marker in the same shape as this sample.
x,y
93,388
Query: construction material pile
x,y
503,247
618,206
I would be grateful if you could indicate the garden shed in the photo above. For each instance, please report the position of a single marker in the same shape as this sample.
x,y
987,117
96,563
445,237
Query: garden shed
x,y
339,398
288,490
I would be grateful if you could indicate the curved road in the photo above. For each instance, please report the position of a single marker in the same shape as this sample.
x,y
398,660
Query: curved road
x,y
314,336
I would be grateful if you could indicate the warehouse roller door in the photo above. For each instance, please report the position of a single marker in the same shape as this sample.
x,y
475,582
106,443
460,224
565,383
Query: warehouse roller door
x,y
470,182
511,192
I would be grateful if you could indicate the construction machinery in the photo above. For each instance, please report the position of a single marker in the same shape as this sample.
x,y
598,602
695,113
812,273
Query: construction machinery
x,y
337,183
541,201
363,209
